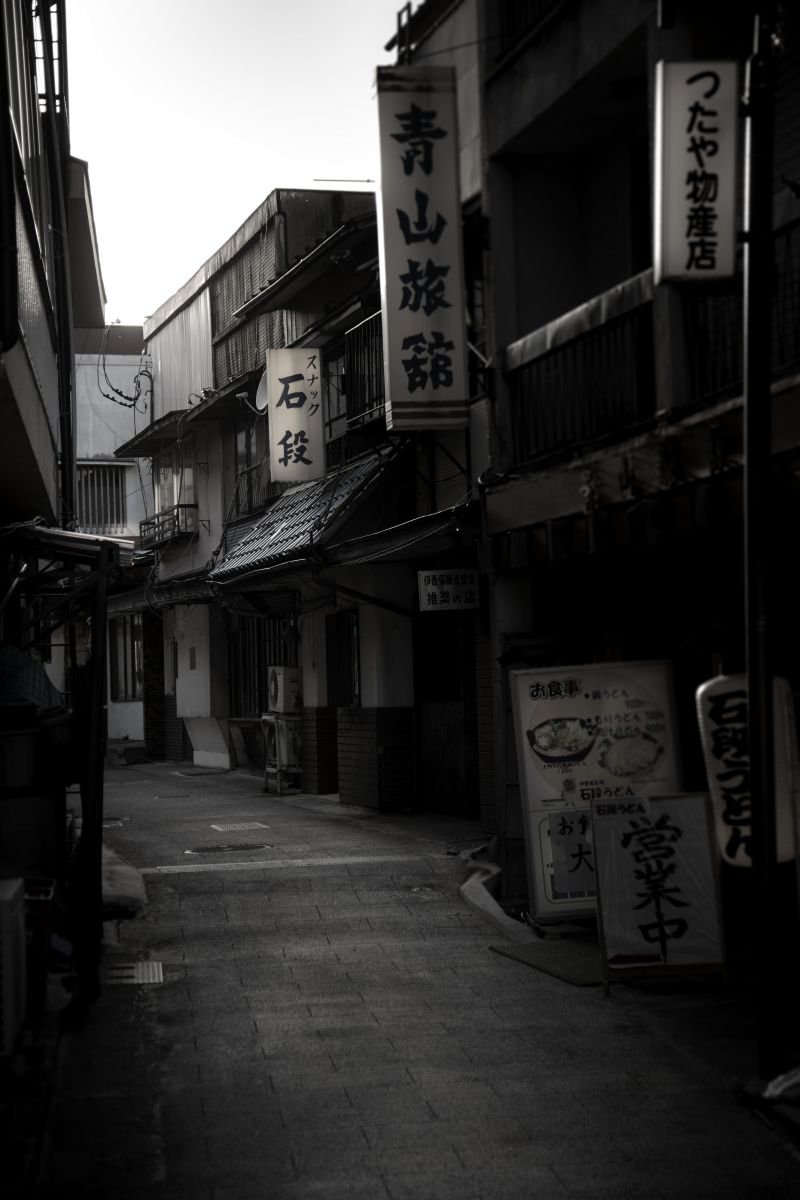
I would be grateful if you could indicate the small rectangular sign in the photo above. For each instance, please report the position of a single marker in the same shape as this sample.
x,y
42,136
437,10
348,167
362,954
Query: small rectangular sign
x,y
450,589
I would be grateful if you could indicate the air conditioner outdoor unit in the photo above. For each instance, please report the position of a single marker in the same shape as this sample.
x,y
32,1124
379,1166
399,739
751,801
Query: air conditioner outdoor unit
x,y
284,689
282,737
12,963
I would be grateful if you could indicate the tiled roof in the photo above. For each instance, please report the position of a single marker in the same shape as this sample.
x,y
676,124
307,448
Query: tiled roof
x,y
302,518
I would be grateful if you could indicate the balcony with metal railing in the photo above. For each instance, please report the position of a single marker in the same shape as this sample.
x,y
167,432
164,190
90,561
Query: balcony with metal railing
x,y
589,377
585,377
169,525
714,326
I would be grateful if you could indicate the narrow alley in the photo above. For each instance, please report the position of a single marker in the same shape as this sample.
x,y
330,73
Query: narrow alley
x,y
306,1005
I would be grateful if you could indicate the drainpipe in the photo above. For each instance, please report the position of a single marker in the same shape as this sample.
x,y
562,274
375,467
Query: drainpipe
x,y
769,928
9,319
58,164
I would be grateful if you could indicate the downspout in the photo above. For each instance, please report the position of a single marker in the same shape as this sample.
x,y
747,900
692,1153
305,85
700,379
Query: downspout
x,y
9,318
57,164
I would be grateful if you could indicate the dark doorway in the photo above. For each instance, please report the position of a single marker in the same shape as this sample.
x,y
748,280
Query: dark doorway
x,y
446,735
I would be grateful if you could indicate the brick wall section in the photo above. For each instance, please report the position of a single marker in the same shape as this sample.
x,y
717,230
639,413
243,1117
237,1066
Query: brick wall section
x,y
376,757
484,706
320,764
153,685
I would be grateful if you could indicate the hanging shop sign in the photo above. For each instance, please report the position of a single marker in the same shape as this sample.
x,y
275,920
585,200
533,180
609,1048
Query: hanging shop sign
x,y
422,276
600,731
294,404
695,170
441,591
658,902
722,714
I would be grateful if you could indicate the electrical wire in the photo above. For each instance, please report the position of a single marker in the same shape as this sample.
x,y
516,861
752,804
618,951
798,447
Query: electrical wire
x,y
119,397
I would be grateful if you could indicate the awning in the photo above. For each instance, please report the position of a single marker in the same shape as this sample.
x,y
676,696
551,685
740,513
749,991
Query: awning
x,y
156,437
192,588
434,533
293,531
65,545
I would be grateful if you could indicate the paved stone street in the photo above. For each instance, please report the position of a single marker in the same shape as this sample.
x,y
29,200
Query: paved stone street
x,y
332,1022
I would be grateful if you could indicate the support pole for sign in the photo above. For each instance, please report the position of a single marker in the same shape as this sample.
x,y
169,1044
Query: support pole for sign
x,y
758,519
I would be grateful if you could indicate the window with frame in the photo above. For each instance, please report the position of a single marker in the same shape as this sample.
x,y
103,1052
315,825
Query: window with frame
x,y
174,479
125,656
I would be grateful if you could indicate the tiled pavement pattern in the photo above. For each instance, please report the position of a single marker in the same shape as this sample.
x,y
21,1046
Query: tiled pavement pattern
x,y
334,1025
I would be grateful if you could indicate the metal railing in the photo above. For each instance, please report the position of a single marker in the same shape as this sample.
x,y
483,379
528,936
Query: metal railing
x,y
589,387
165,526
714,326
363,348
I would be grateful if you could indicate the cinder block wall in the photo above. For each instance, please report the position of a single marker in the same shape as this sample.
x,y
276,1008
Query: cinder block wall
x,y
320,764
376,757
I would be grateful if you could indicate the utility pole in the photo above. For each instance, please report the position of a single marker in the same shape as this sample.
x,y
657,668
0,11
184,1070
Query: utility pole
x,y
759,519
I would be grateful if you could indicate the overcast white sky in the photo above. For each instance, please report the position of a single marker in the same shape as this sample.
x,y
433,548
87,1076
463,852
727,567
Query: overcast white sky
x,y
190,112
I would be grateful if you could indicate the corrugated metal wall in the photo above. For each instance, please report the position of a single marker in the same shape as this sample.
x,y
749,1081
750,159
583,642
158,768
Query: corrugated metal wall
x,y
181,353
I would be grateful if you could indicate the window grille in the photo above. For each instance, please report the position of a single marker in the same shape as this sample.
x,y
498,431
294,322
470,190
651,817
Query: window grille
x,y
101,498
260,643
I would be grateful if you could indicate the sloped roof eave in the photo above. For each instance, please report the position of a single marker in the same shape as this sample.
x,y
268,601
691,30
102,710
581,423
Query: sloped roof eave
x,y
297,525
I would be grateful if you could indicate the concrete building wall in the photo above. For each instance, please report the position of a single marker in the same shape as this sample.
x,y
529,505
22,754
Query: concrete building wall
x,y
193,683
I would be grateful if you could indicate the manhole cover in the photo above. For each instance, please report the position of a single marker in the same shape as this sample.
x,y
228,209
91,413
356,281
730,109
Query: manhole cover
x,y
139,972
240,825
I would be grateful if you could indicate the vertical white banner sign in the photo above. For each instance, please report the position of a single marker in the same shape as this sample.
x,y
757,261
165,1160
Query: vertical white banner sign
x,y
421,254
697,106
296,429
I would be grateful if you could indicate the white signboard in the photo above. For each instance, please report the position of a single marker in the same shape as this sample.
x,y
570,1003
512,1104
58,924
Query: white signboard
x,y
419,222
656,882
451,589
294,404
600,731
723,715
696,189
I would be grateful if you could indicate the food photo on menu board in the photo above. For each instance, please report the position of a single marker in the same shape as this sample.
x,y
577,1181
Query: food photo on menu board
x,y
598,731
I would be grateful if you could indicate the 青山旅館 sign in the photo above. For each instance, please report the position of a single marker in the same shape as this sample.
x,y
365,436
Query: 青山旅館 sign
x,y
422,275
